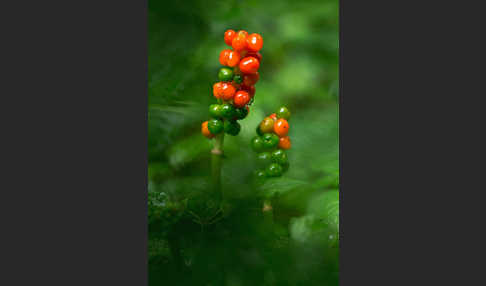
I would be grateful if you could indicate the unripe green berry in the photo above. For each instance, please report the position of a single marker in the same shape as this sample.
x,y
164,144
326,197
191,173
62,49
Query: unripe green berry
x,y
257,144
270,140
238,78
279,156
283,112
264,159
215,126
225,74
241,112
260,174
216,110
274,170
232,127
228,111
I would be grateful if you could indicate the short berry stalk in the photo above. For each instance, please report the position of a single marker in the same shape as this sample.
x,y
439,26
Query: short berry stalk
x,y
234,93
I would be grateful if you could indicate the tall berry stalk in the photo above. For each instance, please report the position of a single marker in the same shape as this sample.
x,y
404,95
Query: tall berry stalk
x,y
234,94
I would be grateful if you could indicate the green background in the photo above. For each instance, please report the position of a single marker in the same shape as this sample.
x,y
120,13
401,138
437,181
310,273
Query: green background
x,y
299,70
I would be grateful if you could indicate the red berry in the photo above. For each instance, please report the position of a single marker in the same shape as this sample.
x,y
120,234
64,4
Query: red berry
x,y
254,42
274,116
239,42
249,65
251,79
217,89
232,59
223,56
228,36
250,89
227,91
255,55
241,99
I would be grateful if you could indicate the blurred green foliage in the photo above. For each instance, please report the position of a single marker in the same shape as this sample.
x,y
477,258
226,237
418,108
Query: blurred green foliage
x,y
193,239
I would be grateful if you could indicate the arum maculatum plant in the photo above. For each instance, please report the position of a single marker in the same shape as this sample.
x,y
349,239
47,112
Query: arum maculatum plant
x,y
234,93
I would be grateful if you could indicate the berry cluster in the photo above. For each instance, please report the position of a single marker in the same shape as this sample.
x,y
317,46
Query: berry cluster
x,y
271,143
236,88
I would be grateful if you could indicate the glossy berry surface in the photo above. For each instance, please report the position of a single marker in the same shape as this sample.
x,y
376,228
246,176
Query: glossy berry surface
x,y
264,159
254,42
257,144
260,174
227,91
241,113
232,59
241,98
279,156
249,65
281,127
273,116
232,127
227,111
250,89
216,111
284,143
223,56
270,140
215,126
239,42
228,36
217,89
258,56
225,74
205,131
283,112
274,170
251,79
266,125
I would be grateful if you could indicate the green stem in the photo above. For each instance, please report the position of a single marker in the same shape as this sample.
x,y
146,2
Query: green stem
x,y
217,163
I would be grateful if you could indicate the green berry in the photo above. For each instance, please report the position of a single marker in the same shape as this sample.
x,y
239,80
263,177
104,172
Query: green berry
x,y
232,127
228,111
274,170
216,111
283,112
241,112
215,126
258,131
264,159
238,78
257,144
260,174
225,74
270,140
279,156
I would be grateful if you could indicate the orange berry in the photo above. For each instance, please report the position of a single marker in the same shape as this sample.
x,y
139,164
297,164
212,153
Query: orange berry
x,y
239,42
281,127
217,89
227,91
284,143
249,65
254,42
243,32
251,79
241,99
232,59
228,36
223,56
273,116
205,130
